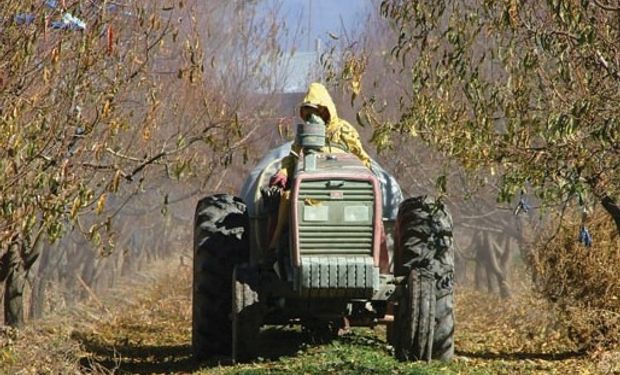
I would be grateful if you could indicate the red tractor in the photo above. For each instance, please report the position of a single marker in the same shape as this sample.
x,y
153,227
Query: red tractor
x,y
354,254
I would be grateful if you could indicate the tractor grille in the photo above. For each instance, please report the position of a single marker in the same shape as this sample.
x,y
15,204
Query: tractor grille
x,y
336,236
351,190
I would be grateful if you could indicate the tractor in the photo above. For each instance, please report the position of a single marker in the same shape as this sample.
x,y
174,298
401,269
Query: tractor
x,y
355,253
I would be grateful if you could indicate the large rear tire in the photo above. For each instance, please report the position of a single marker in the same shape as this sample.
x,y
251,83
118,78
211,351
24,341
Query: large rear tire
x,y
247,313
220,243
424,316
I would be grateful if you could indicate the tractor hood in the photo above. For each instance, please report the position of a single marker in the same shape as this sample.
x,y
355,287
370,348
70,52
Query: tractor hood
x,y
335,165
271,162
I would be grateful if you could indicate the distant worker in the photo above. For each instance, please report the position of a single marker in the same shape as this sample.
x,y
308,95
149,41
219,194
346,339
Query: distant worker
x,y
339,136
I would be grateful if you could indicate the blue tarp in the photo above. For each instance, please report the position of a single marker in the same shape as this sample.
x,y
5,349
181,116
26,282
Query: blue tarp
x,y
24,18
69,22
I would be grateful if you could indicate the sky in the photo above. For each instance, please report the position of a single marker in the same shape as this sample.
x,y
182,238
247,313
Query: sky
x,y
325,16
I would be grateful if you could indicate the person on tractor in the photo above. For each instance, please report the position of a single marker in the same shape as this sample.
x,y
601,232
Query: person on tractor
x,y
341,136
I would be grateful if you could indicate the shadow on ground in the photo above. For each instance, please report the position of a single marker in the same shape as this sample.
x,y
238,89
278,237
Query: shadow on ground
x,y
131,358
520,356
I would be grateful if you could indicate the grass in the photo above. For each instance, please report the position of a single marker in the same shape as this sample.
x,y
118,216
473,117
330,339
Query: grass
x,y
146,328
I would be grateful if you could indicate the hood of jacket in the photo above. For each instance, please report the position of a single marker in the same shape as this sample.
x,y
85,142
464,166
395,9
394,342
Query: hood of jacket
x,y
319,96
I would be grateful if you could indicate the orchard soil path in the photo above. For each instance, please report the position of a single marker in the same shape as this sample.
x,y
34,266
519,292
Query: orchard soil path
x,y
145,328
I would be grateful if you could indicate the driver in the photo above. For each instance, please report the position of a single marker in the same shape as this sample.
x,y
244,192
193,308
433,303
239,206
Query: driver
x,y
338,133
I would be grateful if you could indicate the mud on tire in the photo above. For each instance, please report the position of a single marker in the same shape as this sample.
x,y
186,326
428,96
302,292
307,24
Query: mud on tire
x,y
424,316
220,243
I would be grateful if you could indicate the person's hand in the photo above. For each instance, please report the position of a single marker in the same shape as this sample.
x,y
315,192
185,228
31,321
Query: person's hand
x,y
279,179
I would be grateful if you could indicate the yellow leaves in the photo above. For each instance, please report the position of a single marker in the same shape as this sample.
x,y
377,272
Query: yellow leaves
x,y
412,130
485,152
55,55
114,126
15,112
116,180
46,75
353,72
356,85
513,12
75,207
100,204
155,22
146,133
95,237
98,148
6,355
107,106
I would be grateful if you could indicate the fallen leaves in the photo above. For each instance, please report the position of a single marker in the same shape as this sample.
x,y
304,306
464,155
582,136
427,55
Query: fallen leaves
x,y
147,328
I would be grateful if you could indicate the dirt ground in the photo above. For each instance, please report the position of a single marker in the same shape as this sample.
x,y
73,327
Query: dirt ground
x,y
145,327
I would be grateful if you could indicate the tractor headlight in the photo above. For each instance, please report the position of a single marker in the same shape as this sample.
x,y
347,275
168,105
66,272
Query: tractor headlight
x,y
356,213
316,213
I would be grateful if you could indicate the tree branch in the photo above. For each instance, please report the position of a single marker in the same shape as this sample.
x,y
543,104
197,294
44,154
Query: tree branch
x,y
606,7
612,208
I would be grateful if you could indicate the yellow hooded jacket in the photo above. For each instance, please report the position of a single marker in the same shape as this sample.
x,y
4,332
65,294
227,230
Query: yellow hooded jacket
x,y
339,133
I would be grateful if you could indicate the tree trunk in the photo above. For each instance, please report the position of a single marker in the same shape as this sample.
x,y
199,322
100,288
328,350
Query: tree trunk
x,y
37,299
39,286
14,288
500,271
478,245
612,208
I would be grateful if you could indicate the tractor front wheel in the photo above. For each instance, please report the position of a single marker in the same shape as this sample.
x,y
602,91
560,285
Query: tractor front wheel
x,y
247,313
424,315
